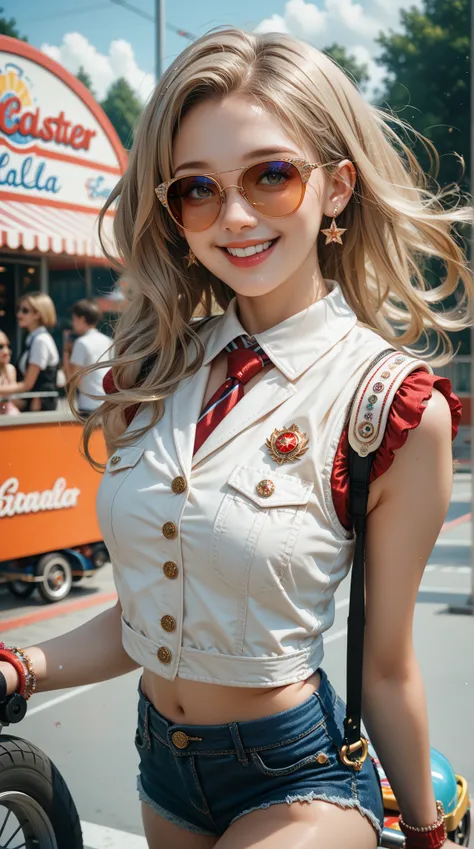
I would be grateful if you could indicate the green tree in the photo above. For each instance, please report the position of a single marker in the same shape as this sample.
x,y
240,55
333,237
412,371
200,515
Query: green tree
x,y
123,109
428,80
356,71
85,79
8,27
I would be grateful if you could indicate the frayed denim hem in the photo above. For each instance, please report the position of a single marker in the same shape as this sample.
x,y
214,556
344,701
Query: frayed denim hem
x,y
167,815
320,797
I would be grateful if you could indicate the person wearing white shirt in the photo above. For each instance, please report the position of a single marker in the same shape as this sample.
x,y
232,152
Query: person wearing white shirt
x,y
39,360
89,348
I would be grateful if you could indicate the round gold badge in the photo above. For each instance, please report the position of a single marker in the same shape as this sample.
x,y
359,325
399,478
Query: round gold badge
x,y
265,488
287,444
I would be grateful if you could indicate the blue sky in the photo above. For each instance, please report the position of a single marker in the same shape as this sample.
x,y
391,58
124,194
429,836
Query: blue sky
x,y
111,41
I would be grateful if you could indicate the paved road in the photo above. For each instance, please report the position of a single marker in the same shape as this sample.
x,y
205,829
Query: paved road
x,y
89,731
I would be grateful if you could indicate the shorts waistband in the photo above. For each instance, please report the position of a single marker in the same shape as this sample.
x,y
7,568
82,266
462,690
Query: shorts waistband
x,y
268,732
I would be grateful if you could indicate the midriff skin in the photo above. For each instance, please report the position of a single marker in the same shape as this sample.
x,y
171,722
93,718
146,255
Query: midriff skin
x,y
195,703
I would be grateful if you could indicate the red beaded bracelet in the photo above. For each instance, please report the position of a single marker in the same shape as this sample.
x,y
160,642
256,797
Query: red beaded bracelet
x,y
10,657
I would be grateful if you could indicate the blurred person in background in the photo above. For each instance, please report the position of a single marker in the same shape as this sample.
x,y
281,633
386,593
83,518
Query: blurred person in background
x,y
7,375
39,360
89,348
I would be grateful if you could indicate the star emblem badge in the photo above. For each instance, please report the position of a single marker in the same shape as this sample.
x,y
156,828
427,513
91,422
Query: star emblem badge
x,y
287,444
334,233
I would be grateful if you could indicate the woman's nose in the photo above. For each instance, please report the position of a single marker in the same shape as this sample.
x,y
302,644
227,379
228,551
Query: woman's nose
x,y
236,212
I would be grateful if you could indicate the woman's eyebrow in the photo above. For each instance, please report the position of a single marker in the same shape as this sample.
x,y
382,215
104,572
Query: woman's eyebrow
x,y
253,154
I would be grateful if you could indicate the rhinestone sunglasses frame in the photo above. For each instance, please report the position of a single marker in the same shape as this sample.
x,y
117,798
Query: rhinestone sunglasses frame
x,y
303,167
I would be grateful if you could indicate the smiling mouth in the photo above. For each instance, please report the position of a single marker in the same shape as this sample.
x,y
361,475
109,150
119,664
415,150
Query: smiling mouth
x,y
251,250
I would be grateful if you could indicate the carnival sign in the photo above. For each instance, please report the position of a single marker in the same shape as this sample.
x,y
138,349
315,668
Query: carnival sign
x,y
56,144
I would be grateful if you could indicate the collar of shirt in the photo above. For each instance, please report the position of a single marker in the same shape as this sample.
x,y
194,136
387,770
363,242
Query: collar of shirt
x,y
34,333
296,343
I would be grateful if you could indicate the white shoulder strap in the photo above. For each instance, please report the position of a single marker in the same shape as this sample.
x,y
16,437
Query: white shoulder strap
x,y
374,397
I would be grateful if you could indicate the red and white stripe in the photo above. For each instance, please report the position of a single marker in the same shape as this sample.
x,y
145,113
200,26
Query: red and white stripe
x,y
48,229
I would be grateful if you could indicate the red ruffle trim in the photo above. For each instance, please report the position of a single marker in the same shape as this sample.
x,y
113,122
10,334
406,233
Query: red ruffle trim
x,y
405,415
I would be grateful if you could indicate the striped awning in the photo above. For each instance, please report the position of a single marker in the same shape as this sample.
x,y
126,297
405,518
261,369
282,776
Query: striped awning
x,y
48,229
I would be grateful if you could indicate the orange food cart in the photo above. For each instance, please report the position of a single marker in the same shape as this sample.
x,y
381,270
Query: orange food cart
x,y
49,535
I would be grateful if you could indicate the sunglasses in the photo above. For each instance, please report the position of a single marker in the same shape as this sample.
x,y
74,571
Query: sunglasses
x,y
275,188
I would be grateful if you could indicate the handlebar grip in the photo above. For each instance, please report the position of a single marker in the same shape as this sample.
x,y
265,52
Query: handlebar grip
x,y
13,709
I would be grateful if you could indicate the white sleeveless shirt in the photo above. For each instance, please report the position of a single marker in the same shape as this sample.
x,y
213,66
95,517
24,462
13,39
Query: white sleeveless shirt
x,y
217,582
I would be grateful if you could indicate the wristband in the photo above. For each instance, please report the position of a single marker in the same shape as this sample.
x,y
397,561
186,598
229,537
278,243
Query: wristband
x,y
425,837
10,657
30,685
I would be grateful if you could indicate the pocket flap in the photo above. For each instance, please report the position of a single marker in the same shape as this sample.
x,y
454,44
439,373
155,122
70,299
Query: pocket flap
x,y
283,490
124,458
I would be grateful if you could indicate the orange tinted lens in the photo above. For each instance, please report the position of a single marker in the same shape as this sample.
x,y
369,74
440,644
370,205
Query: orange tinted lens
x,y
274,188
194,202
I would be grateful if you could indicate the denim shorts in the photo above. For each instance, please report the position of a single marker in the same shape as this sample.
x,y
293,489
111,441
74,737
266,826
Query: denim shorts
x,y
204,777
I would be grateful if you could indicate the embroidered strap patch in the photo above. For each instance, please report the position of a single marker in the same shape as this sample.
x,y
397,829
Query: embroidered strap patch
x,y
374,397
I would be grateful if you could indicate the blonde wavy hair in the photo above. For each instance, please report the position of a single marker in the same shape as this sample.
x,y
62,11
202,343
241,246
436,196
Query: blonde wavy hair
x,y
396,220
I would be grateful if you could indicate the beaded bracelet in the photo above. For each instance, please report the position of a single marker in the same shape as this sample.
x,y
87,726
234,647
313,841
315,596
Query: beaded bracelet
x,y
30,686
10,657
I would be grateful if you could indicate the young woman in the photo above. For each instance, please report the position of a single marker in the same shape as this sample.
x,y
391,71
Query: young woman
x,y
260,181
7,375
38,363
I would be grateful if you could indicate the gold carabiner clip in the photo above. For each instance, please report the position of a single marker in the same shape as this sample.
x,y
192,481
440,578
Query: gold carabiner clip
x,y
346,750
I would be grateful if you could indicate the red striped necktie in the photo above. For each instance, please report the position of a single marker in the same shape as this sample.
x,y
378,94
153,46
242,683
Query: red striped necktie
x,y
245,358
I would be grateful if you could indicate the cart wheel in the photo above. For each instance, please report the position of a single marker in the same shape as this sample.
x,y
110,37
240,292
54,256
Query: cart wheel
x,y
56,571
100,555
36,808
21,589
461,835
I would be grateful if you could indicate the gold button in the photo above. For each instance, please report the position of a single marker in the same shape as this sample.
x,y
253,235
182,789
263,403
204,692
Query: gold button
x,y
115,460
170,569
168,623
169,530
322,758
164,655
180,739
265,488
178,485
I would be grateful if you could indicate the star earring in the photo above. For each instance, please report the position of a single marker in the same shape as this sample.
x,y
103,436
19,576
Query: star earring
x,y
190,259
334,233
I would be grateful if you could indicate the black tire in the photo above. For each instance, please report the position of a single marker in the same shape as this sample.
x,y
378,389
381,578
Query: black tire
x,y
100,555
21,589
36,793
463,832
56,571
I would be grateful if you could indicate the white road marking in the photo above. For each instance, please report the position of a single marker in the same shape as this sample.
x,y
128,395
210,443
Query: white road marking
x,y
69,695
103,837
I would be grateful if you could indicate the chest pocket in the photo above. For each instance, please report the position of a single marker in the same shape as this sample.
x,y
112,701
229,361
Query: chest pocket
x,y
256,528
117,470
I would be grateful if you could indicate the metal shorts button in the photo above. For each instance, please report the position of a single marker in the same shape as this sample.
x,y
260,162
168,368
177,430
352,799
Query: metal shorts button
x,y
182,740
179,485
169,530
164,655
168,623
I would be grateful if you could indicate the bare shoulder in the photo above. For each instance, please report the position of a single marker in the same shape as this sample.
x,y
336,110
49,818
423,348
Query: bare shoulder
x,y
11,373
424,462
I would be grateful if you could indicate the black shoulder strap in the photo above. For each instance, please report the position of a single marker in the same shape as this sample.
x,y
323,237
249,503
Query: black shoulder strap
x,y
359,474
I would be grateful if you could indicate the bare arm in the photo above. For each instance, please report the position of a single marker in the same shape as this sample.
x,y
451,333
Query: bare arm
x,y
25,385
407,509
88,654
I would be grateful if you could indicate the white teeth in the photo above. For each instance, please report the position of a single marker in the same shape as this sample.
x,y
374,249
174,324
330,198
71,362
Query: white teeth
x,y
253,249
